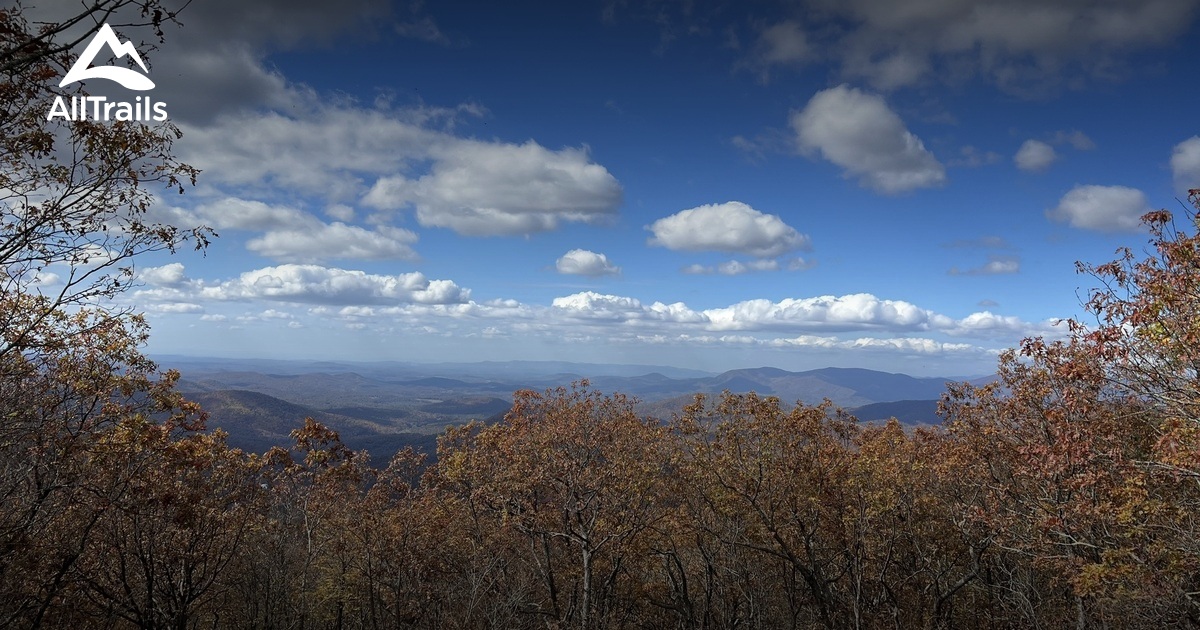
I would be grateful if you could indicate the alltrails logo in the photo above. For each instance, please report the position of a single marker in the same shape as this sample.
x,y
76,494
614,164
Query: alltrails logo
x,y
143,109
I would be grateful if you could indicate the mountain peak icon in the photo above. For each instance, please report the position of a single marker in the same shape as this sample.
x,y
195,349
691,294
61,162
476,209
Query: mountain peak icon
x,y
131,79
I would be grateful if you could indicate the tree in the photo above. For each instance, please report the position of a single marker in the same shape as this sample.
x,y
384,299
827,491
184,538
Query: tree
x,y
59,412
75,194
84,416
769,482
1087,452
578,476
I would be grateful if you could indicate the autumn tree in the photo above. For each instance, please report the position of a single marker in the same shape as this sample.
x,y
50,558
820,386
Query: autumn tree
x,y
60,412
1086,451
85,418
75,194
577,476
765,482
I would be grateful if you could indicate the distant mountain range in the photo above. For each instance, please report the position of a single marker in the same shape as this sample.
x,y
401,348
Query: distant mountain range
x,y
257,422
383,406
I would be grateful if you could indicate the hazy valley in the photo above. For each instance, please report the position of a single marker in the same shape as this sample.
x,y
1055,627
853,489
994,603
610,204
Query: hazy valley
x,y
383,406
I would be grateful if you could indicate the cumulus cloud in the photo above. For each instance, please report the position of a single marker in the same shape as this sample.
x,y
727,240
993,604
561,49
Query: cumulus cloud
x,y
315,284
827,313
389,303
1034,156
335,241
170,275
582,262
731,227
988,322
1185,164
857,131
248,214
254,134
1101,208
590,305
327,150
486,189
847,312
291,235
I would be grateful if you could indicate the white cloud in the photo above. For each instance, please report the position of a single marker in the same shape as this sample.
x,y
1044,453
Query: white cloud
x,y
732,227
582,262
334,149
170,275
904,345
859,132
1101,208
1034,156
324,151
315,284
800,264
990,323
335,241
248,214
737,267
487,189
590,305
176,308
827,313
1185,164
292,235
393,304
340,211
847,312
46,278
996,265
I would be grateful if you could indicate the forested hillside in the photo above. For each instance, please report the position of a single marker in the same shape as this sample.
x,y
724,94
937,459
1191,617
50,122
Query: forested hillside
x,y
1064,495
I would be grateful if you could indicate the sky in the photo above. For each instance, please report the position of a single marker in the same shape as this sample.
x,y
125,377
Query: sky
x,y
856,183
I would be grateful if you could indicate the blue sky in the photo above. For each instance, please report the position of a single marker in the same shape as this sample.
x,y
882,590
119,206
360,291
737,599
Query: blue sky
x,y
897,186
